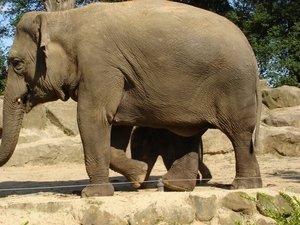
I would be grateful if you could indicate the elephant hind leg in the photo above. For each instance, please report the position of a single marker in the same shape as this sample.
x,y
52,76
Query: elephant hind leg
x,y
247,168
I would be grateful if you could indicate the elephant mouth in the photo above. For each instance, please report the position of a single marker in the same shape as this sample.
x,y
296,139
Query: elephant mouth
x,y
28,107
25,101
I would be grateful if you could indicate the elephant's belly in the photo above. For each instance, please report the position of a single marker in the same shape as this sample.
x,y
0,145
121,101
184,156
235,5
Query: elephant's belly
x,y
177,125
185,131
169,114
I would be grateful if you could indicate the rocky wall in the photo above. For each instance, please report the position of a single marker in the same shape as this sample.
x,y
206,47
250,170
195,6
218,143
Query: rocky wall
x,y
157,208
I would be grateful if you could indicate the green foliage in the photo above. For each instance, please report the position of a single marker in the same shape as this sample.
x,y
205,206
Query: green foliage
x,y
218,6
280,214
85,2
273,29
3,71
14,10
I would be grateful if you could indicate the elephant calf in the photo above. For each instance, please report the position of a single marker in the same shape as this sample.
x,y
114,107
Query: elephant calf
x,y
182,156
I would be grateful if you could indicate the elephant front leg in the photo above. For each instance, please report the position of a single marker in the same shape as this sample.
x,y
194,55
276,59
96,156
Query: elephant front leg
x,y
97,161
98,173
96,145
134,170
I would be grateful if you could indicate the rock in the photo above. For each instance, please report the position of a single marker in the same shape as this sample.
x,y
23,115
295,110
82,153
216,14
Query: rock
x,y
264,111
284,141
48,152
49,207
36,118
63,115
44,140
94,216
148,216
264,84
283,117
285,96
237,203
229,218
205,207
269,202
156,213
180,214
263,220
216,142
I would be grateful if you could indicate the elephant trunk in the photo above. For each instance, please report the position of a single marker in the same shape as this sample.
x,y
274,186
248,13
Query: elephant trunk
x,y
13,113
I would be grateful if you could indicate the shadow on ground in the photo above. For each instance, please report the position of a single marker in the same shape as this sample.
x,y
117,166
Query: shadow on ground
x,y
58,187
287,175
75,186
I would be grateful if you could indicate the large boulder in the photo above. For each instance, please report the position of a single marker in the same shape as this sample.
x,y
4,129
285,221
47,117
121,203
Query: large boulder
x,y
36,118
49,135
63,115
284,141
285,96
215,142
282,117
280,127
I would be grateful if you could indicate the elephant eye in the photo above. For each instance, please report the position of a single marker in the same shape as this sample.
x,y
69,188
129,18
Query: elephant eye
x,y
17,64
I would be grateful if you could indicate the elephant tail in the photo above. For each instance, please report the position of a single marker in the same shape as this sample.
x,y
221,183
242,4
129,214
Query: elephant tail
x,y
258,111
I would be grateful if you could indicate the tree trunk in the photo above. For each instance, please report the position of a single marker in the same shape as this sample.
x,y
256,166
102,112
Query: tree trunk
x,y
58,5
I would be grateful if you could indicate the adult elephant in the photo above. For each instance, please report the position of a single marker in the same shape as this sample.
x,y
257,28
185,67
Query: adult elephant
x,y
150,63
147,144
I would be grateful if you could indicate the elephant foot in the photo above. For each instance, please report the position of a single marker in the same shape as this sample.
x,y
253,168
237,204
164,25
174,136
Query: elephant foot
x,y
246,183
137,174
205,173
206,177
97,190
135,171
182,174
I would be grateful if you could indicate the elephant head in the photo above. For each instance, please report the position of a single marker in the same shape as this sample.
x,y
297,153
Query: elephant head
x,y
37,73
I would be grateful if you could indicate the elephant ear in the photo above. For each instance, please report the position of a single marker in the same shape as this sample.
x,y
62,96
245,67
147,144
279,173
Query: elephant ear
x,y
42,33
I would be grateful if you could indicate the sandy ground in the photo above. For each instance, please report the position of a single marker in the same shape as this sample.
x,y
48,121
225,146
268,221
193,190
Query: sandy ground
x,y
278,173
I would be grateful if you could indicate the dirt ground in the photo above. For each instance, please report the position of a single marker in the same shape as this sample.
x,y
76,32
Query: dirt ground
x,y
278,173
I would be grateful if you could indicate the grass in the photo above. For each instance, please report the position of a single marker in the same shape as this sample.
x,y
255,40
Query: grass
x,y
280,214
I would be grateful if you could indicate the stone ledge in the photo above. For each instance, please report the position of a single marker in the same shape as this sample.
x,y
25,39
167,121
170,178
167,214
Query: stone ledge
x,y
208,207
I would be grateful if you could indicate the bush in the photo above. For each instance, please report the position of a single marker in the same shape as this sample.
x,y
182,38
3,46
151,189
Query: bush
x,y
281,215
